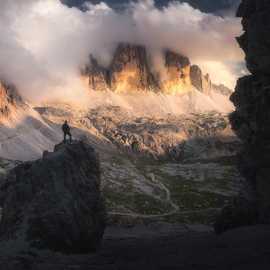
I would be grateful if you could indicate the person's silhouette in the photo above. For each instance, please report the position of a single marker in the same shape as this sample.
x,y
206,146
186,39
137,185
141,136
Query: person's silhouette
x,y
66,131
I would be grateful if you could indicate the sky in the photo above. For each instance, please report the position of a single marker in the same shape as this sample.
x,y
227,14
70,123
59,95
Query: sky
x,y
213,6
44,43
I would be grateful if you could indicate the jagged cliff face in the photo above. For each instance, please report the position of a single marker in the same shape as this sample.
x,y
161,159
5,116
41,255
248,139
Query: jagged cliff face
x,y
251,120
177,78
130,72
200,81
97,76
9,100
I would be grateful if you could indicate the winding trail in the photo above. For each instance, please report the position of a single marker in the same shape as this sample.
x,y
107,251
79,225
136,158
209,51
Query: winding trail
x,y
159,185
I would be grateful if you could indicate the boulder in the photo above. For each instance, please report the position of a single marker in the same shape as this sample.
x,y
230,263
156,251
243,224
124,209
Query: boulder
x,y
240,212
55,202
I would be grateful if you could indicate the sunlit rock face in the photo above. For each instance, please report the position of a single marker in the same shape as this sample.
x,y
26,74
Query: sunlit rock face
x,y
23,133
130,71
9,100
177,78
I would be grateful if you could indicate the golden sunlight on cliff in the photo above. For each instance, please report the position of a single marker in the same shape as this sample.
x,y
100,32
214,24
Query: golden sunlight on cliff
x,y
132,71
177,80
126,81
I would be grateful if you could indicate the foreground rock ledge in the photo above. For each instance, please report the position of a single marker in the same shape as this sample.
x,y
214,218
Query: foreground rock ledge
x,y
55,202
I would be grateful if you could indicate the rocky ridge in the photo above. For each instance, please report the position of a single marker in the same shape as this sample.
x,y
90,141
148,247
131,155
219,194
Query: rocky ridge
x,y
24,134
9,100
130,71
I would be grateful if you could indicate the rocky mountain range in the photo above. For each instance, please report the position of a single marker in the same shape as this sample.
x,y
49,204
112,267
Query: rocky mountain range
x,y
141,156
133,188
154,148
164,177
132,70
160,167
150,166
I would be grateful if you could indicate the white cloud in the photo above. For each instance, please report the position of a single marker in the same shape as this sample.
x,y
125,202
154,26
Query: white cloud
x,y
43,42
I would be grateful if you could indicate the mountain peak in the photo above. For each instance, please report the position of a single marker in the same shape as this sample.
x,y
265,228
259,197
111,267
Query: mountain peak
x,y
130,71
9,99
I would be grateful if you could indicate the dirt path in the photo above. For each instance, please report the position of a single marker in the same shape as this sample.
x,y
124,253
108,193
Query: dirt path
x,y
168,199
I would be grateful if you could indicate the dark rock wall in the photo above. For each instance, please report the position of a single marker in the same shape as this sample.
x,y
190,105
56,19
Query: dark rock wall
x,y
251,119
55,203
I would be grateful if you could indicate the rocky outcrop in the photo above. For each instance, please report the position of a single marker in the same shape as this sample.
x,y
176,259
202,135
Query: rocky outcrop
x,y
98,76
239,213
199,81
177,77
196,77
206,85
130,71
251,120
55,203
9,100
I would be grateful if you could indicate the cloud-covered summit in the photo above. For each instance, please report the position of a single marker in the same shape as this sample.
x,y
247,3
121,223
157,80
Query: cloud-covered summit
x,y
44,43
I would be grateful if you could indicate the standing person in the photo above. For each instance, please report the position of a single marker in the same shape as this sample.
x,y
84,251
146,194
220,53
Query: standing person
x,y
66,131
